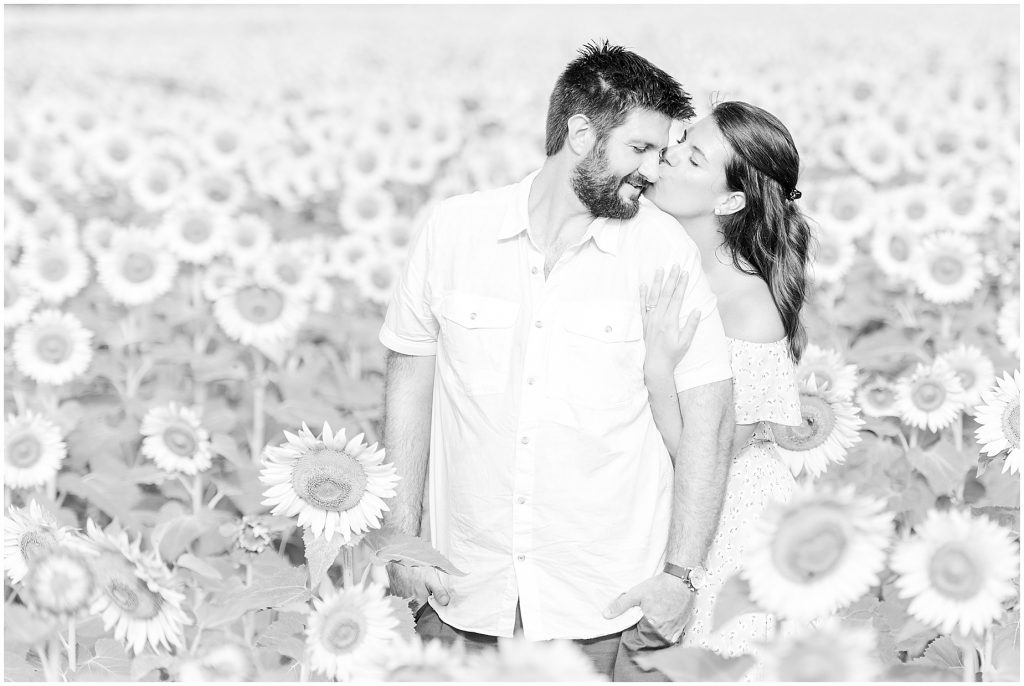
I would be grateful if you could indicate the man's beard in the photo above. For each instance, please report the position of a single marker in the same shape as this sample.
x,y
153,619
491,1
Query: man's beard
x,y
599,191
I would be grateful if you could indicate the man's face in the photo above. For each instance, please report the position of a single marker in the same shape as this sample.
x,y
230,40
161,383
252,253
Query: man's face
x,y
610,179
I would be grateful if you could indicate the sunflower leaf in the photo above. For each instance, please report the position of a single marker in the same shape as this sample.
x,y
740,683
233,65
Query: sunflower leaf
x,y
275,584
406,628
189,561
110,662
320,554
23,627
285,636
733,600
146,662
109,492
391,545
682,663
943,466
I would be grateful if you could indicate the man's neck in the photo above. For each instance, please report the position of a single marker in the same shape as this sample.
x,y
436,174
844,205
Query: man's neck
x,y
557,217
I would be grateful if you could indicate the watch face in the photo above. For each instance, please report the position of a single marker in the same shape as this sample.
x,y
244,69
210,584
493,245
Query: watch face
x,y
698,577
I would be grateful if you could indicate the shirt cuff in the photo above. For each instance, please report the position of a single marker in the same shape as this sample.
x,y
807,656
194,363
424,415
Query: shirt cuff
x,y
691,378
405,346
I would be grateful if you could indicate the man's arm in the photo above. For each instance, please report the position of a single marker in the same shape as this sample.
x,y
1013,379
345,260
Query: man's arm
x,y
408,397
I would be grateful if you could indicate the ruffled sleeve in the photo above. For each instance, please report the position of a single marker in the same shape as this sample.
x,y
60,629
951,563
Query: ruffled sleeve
x,y
764,383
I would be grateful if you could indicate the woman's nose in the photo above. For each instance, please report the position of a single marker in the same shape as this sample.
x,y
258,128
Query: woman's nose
x,y
670,156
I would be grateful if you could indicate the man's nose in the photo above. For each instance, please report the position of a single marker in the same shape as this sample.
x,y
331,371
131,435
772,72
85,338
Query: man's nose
x,y
649,169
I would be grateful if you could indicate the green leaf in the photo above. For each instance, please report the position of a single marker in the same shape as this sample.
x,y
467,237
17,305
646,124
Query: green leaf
x,y
224,444
146,662
1001,489
733,600
189,561
174,532
285,636
913,672
24,627
391,545
682,663
943,466
17,666
109,492
110,662
941,654
320,554
1005,653
406,628
275,584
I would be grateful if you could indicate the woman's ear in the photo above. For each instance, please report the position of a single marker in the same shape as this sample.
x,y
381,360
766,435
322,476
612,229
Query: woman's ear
x,y
580,138
732,204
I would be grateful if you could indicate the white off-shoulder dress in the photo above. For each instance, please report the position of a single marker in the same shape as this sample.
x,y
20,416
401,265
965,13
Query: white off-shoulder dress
x,y
764,390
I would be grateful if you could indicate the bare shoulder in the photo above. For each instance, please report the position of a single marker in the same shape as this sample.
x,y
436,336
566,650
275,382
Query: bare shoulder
x,y
748,310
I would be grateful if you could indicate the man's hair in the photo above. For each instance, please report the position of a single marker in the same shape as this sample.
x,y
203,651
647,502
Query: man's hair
x,y
605,83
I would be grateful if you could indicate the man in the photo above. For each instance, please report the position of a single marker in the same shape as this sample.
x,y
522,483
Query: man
x,y
516,375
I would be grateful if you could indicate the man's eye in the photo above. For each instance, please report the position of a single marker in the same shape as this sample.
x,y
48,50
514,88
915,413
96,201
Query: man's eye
x,y
639,150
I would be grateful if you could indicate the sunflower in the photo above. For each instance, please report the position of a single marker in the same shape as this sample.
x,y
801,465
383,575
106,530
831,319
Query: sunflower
x,y
833,258
250,534
416,660
367,163
975,371
218,280
829,371
829,427
877,398
931,397
376,278
219,190
49,223
290,268
333,486
917,208
97,235
368,210
20,299
222,143
115,151
131,271
55,270
155,184
33,450
254,313
136,596
28,533
517,659
966,209
950,268
248,239
351,633
225,661
816,553
999,420
60,581
414,165
348,253
1008,324
176,440
895,250
194,233
1000,195
829,651
53,347
957,570
875,152
847,207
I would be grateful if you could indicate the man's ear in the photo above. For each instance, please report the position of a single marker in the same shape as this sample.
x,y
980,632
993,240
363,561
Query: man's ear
x,y
580,138
732,204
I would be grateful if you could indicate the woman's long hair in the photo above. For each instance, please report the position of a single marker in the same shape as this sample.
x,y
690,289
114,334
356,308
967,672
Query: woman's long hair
x,y
770,233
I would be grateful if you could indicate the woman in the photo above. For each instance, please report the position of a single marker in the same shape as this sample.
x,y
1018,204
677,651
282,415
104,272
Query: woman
x,y
731,182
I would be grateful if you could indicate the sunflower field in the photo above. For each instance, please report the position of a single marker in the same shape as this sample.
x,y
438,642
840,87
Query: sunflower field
x,y
205,211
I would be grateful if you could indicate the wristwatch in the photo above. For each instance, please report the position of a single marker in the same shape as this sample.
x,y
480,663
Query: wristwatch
x,y
695,578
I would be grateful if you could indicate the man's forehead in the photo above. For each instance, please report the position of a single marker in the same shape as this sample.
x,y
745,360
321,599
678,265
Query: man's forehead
x,y
648,125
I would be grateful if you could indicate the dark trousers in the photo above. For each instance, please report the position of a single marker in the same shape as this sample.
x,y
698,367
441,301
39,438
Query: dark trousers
x,y
602,650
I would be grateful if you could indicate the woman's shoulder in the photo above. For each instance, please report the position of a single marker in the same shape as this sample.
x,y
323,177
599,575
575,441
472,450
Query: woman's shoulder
x,y
748,310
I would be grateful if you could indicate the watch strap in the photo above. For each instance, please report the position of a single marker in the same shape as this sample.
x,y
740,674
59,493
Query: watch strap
x,y
681,573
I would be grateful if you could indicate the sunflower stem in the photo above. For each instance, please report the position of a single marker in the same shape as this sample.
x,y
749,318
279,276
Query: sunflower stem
x,y
197,493
946,324
44,660
958,432
970,664
304,672
986,655
72,645
913,437
258,396
51,489
248,629
348,566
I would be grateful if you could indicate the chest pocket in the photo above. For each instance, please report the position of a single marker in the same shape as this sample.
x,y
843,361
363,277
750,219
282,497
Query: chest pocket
x,y
477,335
599,360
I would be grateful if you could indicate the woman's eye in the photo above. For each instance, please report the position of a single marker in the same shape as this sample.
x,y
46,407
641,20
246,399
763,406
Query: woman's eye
x,y
692,162
680,141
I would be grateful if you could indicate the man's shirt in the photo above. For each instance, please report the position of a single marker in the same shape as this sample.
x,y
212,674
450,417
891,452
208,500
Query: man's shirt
x,y
549,483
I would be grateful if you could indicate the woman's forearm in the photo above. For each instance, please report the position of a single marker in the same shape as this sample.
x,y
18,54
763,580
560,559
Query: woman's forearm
x,y
661,388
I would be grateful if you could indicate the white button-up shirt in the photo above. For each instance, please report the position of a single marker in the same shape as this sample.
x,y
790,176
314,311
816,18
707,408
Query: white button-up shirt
x,y
549,483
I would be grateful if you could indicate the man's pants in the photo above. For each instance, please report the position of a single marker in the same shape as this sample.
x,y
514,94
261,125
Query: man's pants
x,y
609,655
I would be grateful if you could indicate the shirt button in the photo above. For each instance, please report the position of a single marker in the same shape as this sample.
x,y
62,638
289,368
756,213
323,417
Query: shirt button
x,y
472,315
531,381
538,323
534,270
524,440
607,329
521,501
520,557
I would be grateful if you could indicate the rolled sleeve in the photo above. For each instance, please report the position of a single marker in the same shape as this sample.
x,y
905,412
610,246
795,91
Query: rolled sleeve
x,y
410,326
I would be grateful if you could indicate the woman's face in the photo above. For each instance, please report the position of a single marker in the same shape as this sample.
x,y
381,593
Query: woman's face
x,y
692,172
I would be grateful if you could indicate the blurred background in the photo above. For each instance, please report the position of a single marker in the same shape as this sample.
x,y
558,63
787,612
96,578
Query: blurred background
x,y
209,206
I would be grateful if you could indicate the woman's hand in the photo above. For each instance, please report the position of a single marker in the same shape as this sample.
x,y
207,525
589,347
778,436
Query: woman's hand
x,y
666,342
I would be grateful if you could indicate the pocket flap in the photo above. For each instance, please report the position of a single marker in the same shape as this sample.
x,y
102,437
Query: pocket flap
x,y
604,320
480,311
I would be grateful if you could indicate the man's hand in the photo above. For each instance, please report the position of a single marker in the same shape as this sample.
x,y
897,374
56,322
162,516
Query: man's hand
x,y
665,601
419,582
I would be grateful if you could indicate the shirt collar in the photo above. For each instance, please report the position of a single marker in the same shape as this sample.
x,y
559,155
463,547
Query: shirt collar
x,y
604,231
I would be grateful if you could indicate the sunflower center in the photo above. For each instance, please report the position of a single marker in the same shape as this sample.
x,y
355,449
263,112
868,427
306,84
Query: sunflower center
x,y
381,278
24,450
963,204
967,378
158,183
226,142
246,238
817,422
62,583
881,396
1011,423
810,544
928,395
53,347
10,291
946,269
879,154
34,543
329,480
367,208
133,597
845,210
119,152
343,631
366,162
259,305
953,572
53,268
287,273
138,267
828,254
899,250
947,143
180,440
217,191
196,230
916,210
